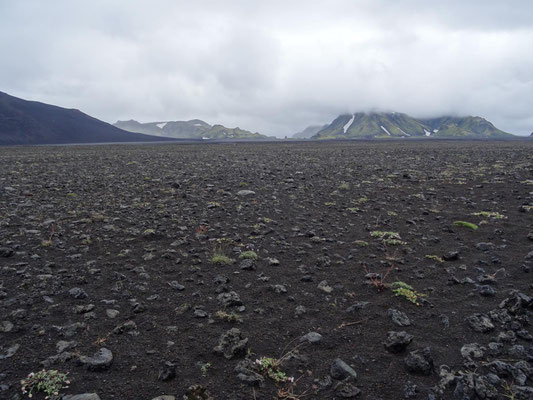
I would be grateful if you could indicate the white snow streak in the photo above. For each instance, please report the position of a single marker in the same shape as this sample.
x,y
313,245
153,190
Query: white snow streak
x,y
427,132
349,123
161,125
435,130
385,129
405,133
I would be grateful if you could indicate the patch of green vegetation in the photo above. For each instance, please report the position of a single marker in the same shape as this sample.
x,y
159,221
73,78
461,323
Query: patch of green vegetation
x,y
243,184
360,243
329,203
465,224
271,367
50,382
388,238
392,214
221,259
433,257
248,254
406,291
344,186
204,368
489,214
353,209
72,195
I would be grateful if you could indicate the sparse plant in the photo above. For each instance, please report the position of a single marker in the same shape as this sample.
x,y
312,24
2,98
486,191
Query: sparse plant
x,y
219,257
465,224
229,317
344,186
248,254
50,382
407,291
204,368
360,243
47,243
378,280
489,214
388,238
434,257
271,367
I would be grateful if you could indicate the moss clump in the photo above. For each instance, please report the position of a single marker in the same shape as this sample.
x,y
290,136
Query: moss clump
x,y
249,254
465,224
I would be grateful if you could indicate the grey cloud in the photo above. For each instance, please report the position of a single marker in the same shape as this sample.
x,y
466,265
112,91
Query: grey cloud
x,y
273,67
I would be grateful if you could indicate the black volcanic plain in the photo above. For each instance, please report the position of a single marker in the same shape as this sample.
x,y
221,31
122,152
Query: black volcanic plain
x,y
111,248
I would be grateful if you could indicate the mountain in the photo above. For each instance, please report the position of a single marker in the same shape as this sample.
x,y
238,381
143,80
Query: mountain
x,y
387,125
30,122
308,132
463,127
173,129
193,129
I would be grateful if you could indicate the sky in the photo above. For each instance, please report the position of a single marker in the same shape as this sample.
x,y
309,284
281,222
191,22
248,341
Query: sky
x,y
273,66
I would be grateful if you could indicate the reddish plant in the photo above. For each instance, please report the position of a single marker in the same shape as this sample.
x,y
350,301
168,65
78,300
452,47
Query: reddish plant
x,y
201,230
378,280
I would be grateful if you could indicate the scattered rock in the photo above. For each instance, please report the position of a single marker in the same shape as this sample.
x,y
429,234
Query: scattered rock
x,y
398,317
100,361
311,337
231,344
480,323
397,341
419,362
340,370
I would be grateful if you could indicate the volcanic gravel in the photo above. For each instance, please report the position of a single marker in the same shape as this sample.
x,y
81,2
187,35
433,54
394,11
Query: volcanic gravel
x,y
168,270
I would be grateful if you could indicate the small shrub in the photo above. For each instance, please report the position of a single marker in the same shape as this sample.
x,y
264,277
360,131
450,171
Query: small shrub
x,y
344,186
465,224
271,367
50,382
221,259
360,243
404,290
249,254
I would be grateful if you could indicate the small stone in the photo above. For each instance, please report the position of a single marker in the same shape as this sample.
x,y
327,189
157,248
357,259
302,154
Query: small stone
x,y
230,299
176,286
323,285
83,396
397,341
247,264
486,290
480,323
100,361
167,373
311,337
245,193
165,397
398,317
472,350
77,293
111,313
6,252
10,352
340,370
451,256
197,392
346,390
231,344
6,326
419,362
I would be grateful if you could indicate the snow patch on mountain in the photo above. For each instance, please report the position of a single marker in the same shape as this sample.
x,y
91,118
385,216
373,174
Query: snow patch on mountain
x,y
349,123
385,129
161,125
427,132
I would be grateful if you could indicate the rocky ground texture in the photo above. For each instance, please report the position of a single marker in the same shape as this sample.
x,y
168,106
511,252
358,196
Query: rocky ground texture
x,y
261,271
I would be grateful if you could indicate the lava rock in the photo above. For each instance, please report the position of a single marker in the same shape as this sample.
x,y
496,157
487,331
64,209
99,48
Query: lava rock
x,y
100,361
340,370
420,362
480,323
397,341
231,344
398,317
311,337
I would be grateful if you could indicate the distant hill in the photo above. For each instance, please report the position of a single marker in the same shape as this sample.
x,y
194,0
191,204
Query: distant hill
x,y
308,132
387,125
25,122
193,129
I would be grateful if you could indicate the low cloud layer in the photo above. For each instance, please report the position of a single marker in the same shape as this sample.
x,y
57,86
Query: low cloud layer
x,y
273,67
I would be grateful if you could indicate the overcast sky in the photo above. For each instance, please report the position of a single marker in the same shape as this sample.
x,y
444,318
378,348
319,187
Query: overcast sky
x,y
272,66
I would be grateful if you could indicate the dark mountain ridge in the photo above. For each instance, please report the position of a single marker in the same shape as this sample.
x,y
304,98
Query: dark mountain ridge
x,y
24,122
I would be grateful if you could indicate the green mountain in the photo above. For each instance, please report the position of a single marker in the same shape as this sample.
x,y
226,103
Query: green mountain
x,y
193,129
389,125
463,127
